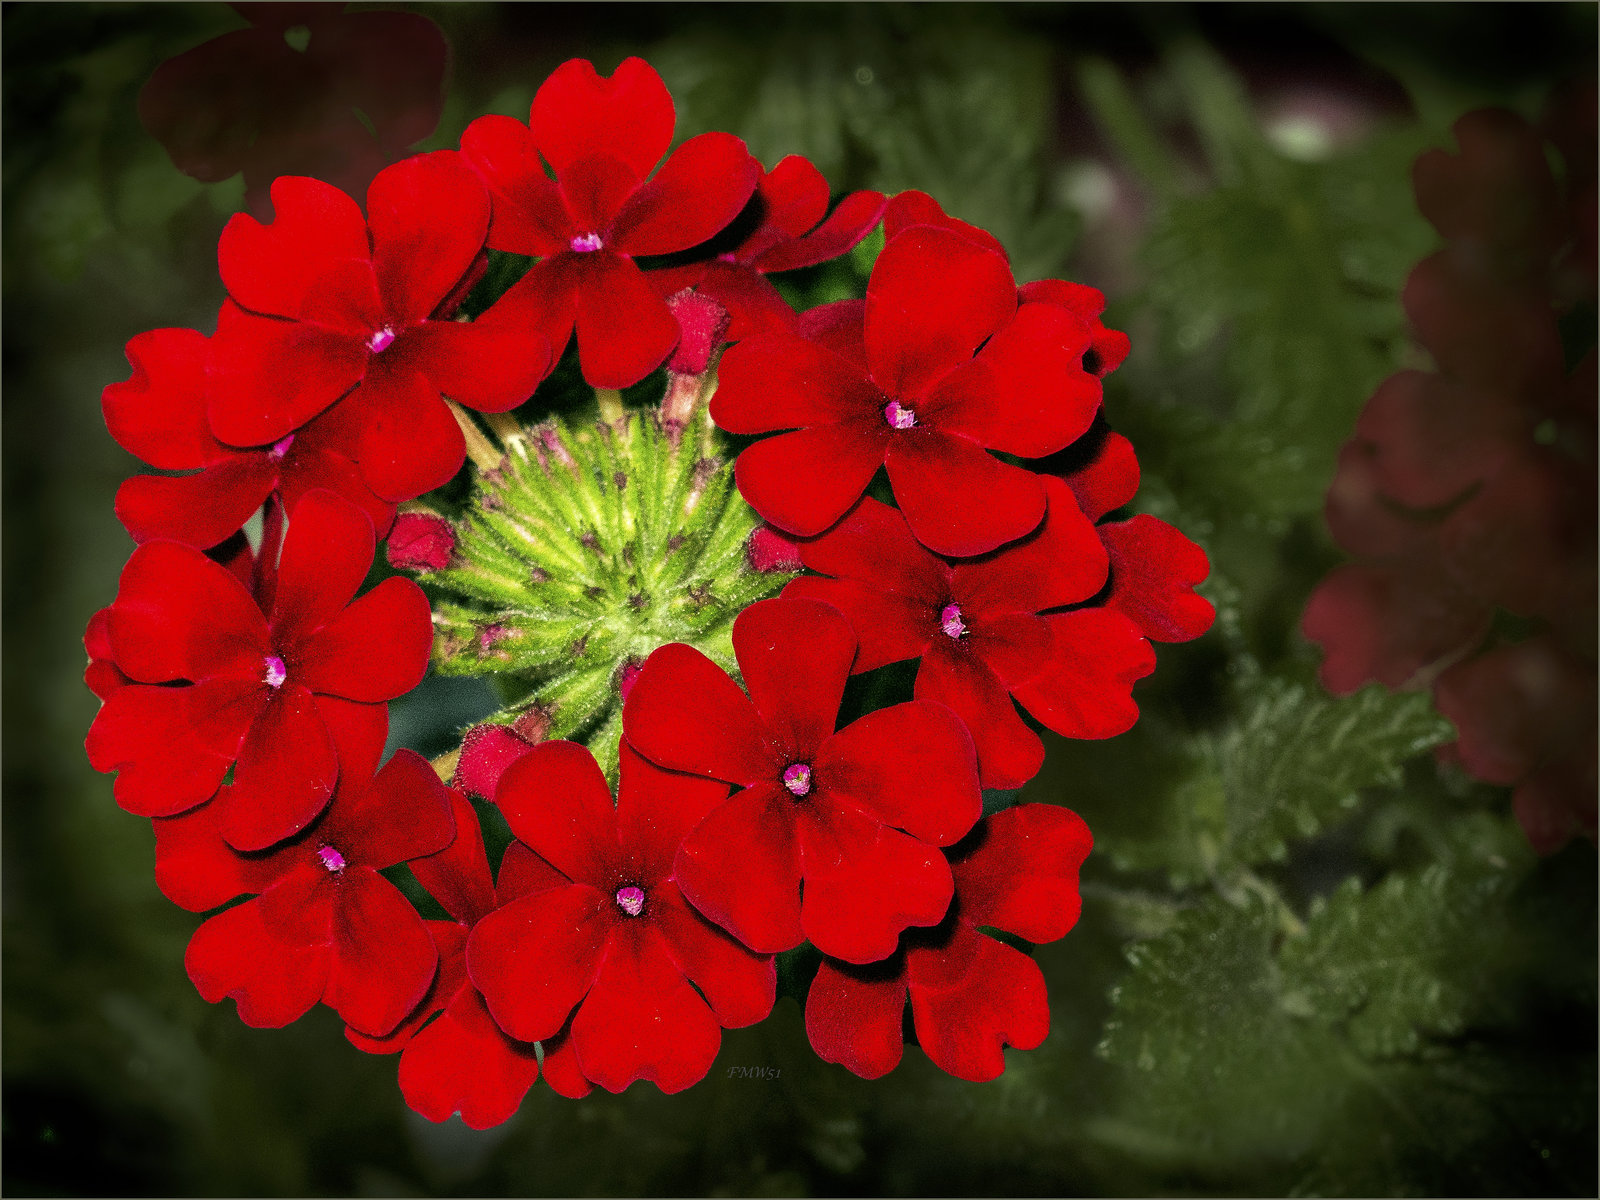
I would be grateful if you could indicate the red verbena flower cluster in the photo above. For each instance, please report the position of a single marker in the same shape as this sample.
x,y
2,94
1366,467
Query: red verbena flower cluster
x,y
245,681
1468,491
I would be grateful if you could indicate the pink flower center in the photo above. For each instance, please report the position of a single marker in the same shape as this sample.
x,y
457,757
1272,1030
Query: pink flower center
x,y
899,415
279,449
729,257
630,900
586,243
331,858
797,778
950,621
381,340
276,671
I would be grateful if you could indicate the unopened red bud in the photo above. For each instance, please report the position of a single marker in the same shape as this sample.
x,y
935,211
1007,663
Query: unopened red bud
x,y
486,753
628,676
420,542
769,550
703,322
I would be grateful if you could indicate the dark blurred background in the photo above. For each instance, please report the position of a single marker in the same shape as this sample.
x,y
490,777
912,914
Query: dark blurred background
x,y
118,1079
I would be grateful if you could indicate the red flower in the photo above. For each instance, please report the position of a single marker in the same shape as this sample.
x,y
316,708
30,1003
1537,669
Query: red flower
x,y
901,383
326,926
975,627
817,806
420,541
603,929
223,681
160,415
251,100
327,305
601,137
453,1057
102,675
970,994
790,233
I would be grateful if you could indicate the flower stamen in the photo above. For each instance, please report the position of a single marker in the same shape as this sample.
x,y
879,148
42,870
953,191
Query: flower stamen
x,y
381,340
797,778
950,621
630,900
276,671
899,415
586,243
331,859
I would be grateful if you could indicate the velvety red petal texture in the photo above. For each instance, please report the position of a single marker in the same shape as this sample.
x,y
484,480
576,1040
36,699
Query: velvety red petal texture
x,y
755,308
561,1070
462,1063
1153,572
285,773
327,551
491,364
892,627
458,876
528,216
429,215
624,329
933,299
450,939
1062,562
198,510
402,814
958,499
233,955
577,113
656,808
1020,874
270,268
804,481
315,460
978,997
271,376
383,956
911,765
641,1020
1085,689
375,650
864,882
839,327
178,615
696,193
102,676
782,382
685,714
535,958
556,801
845,226
918,208
853,1017
522,873
1009,753
197,870
741,868
159,413
739,986
409,443
1026,392
359,732
1109,480
795,656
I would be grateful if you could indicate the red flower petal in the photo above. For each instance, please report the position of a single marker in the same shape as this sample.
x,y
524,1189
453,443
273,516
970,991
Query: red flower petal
x,y
755,308
327,551
172,746
359,732
270,376
627,115
522,873
458,876
933,299
1026,392
315,461
198,510
656,808
492,364
782,382
864,882
918,208
839,327
1109,480
409,443
972,998
1015,646
528,214
624,329
159,413
853,1016
1153,572
401,814
298,908
450,939
561,1069
1084,690
102,675
697,192
873,545
795,656
270,268
178,615
463,1064
593,191
375,650
556,801
741,868
1021,875
641,1020
197,870
1061,562
429,215
805,481
739,986
685,714
534,959
383,956
958,499
232,954
851,221
892,627
285,773
911,765
1009,753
